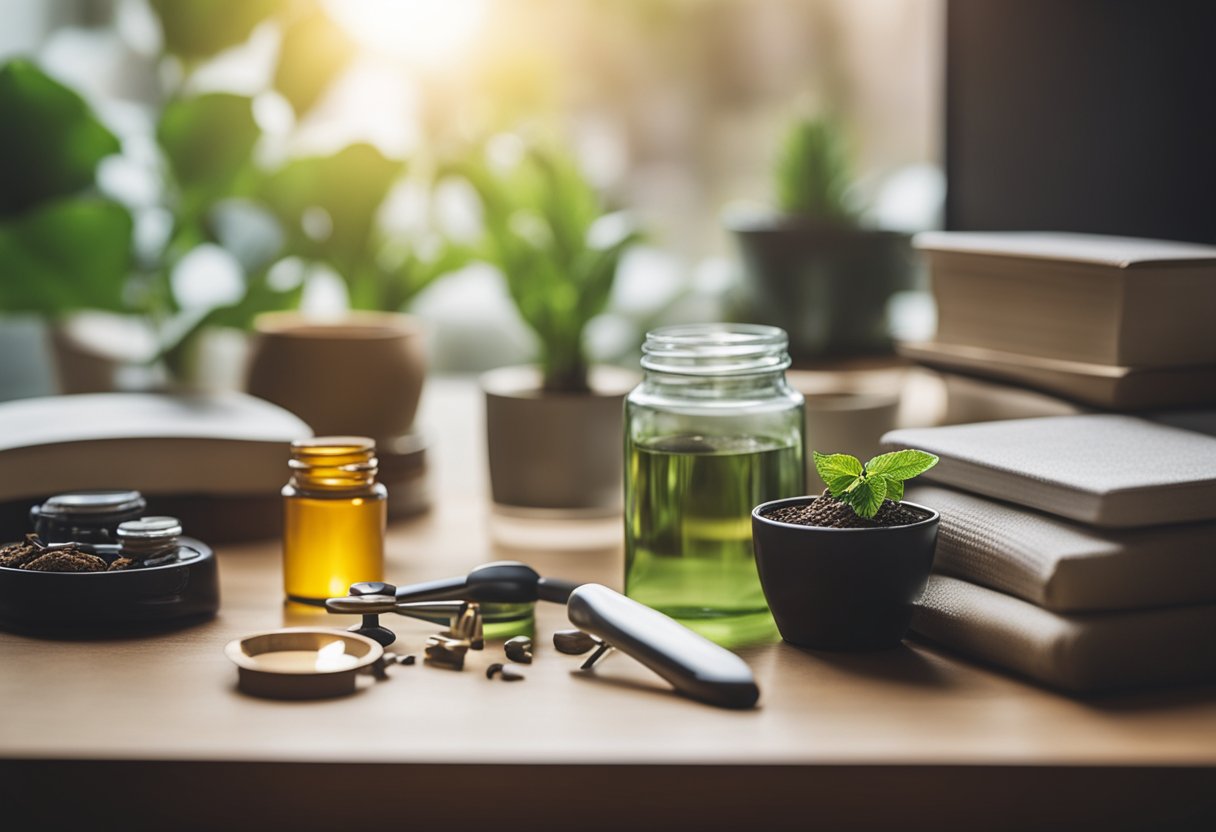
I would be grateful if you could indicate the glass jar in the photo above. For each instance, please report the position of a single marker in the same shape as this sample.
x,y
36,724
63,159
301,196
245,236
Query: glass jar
x,y
334,518
712,431
86,516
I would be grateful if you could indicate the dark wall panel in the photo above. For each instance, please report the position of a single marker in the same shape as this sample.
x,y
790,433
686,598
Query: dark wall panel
x,y
1082,115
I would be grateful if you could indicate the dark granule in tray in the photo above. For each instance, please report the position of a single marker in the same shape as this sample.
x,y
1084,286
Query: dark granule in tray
x,y
66,559
828,512
16,555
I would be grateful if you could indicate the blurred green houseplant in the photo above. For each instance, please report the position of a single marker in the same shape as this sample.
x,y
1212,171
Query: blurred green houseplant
x,y
813,173
813,268
64,248
553,431
541,220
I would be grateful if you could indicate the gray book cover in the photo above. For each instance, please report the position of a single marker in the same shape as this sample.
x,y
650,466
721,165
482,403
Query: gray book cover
x,y
1075,653
1065,566
1107,470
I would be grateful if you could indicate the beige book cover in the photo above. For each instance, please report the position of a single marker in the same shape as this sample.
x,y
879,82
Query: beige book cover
x,y
213,444
971,399
1077,653
1109,470
1065,566
1077,297
1098,385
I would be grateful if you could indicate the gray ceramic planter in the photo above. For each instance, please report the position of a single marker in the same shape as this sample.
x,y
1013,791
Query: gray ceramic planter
x,y
842,589
555,451
826,285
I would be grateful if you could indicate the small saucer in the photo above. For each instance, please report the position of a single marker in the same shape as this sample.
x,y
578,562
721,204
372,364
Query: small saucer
x,y
258,679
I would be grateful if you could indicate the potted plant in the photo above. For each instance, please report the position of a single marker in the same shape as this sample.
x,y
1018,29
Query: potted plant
x,y
64,247
843,570
812,268
553,429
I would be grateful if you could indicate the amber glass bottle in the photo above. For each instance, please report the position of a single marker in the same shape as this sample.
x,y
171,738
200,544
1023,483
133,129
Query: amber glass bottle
x,y
334,515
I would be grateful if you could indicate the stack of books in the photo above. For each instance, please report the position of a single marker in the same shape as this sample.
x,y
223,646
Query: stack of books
x,y
1079,551
1046,324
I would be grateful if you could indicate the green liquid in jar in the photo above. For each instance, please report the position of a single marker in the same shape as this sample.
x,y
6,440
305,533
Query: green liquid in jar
x,y
688,541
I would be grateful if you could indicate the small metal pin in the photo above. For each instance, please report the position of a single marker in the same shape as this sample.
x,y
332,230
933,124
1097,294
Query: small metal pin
x,y
446,650
596,656
468,625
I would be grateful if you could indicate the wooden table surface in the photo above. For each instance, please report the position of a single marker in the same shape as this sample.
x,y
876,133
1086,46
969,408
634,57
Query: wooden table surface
x,y
852,741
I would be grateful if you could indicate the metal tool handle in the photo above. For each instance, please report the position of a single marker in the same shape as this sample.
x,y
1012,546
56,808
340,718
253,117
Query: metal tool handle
x,y
506,582
695,666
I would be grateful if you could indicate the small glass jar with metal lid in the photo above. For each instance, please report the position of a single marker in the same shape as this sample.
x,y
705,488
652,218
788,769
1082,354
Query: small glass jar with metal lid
x,y
712,431
86,516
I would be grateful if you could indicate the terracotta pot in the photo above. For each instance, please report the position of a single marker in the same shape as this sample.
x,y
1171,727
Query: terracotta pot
x,y
552,450
360,374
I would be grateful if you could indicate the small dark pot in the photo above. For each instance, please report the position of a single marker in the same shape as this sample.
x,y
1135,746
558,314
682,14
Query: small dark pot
x,y
826,285
842,589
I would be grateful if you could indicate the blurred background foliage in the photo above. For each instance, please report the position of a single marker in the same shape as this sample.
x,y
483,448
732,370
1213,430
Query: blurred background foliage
x,y
214,159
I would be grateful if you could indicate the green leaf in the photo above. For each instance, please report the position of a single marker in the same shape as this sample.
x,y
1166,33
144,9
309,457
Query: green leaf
x,y
895,490
866,496
838,471
536,218
348,187
313,53
66,255
195,29
901,465
208,141
50,143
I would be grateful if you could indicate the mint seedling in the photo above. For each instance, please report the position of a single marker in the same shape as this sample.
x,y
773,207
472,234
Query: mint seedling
x,y
864,487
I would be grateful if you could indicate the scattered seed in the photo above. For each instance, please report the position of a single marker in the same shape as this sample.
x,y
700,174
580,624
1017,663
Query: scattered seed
x,y
493,669
408,659
573,642
511,673
519,649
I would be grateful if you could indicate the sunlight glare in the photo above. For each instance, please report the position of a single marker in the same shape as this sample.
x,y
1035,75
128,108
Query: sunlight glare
x,y
429,32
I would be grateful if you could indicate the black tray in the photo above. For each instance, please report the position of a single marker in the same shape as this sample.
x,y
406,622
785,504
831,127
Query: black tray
x,y
95,602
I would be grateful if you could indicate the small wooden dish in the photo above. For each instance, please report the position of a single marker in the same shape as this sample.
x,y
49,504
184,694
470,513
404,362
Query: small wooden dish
x,y
257,679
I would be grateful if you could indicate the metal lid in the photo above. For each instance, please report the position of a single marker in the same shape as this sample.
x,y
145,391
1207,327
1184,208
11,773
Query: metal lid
x,y
89,503
148,536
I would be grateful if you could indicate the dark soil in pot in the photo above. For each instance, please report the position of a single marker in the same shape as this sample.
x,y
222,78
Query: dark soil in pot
x,y
828,512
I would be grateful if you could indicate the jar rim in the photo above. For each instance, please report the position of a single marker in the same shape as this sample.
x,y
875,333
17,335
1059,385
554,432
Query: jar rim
x,y
716,349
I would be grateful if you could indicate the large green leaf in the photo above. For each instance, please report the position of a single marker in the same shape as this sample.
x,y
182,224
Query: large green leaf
x,y
196,29
901,465
866,496
208,141
313,53
50,141
537,217
838,471
66,255
348,186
